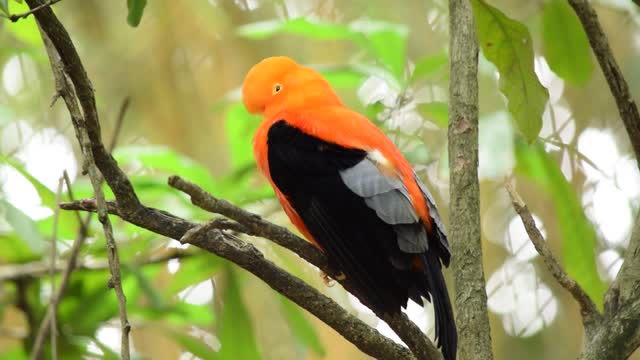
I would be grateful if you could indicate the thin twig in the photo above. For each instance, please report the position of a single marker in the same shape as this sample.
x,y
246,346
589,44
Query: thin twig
x,y
67,92
617,83
16,17
115,282
588,308
52,273
38,269
119,121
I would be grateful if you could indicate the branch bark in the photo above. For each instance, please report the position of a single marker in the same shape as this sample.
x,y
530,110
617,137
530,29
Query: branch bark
x,y
618,335
617,84
472,318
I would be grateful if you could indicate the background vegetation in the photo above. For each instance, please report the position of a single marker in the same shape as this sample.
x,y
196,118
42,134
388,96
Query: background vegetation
x,y
181,64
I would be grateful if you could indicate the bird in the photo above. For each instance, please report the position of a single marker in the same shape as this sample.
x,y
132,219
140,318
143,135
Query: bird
x,y
349,190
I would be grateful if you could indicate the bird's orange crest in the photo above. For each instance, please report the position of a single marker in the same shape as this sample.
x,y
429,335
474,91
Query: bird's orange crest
x,y
278,83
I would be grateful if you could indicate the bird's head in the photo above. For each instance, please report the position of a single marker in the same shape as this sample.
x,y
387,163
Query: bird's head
x,y
278,82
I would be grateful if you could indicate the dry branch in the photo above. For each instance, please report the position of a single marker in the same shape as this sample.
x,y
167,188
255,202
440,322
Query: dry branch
x,y
590,315
617,84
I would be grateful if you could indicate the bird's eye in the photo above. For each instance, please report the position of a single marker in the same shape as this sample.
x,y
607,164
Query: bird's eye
x,y
277,88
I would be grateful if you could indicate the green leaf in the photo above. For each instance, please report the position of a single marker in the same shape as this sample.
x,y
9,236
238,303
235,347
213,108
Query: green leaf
x,y
298,26
192,271
4,7
67,221
136,9
160,158
385,41
24,226
507,44
107,352
14,250
578,236
301,327
15,352
194,346
25,30
436,111
565,43
429,66
343,78
240,126
236,331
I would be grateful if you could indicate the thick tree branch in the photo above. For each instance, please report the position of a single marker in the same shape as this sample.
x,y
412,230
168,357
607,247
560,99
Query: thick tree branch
x,y
255,225
590,315
252,224
472,318
617,84
249,258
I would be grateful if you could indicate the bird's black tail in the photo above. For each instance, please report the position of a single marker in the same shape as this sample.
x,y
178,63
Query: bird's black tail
x,y
446,334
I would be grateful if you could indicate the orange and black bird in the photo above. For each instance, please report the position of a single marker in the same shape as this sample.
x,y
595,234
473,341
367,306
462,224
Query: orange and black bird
x,y
350,191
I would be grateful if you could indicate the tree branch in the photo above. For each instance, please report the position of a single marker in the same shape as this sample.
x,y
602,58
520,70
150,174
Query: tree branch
x,y
618,335
472,318
617,84
252,224
38,269
590,315
213,239
65,90
129,208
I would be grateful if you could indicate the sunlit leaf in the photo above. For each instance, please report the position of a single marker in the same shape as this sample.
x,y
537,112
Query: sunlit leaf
x,y
345,78
301,327
24,226
299,26
193,270
26,29
159,158
236,331
385,41
142,277
436,111
67,220
578,236
195,346
107,352
136,9
14,250
4,7
15,352
507,44
430,66
565,44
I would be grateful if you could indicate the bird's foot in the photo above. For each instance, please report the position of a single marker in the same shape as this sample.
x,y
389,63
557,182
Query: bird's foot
x,y
328,281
